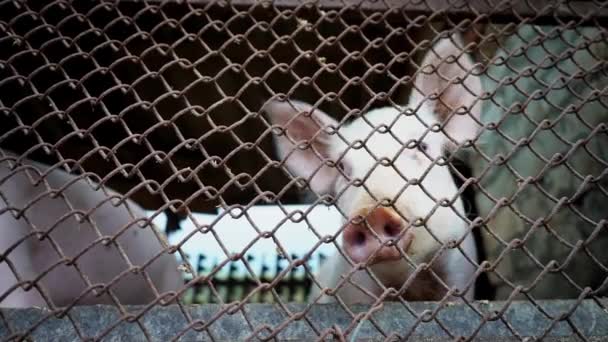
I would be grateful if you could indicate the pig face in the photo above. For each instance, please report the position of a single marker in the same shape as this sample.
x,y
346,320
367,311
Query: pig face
x,y
386,168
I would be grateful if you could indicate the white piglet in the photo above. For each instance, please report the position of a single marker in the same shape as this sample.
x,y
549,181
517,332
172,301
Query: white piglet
x,y
390,224
30,210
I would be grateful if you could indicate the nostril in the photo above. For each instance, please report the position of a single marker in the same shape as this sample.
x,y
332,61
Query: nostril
x,y
392,229
359,238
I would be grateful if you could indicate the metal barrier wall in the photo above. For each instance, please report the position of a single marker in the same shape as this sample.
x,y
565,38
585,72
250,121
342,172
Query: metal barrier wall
x,y
461,146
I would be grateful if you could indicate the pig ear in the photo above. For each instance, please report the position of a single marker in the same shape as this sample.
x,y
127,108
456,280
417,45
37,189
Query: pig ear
x,y
305,144
449,72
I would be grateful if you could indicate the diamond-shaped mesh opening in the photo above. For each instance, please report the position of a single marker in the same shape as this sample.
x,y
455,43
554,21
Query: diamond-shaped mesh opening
x,y
168,153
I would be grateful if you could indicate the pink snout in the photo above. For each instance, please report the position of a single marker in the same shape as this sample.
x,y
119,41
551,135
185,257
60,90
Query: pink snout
x,y
361,244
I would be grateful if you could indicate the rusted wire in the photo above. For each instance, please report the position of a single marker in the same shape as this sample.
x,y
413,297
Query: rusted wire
x,y
163,102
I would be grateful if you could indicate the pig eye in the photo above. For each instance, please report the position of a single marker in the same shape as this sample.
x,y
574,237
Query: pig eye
x,y
345,168
422,146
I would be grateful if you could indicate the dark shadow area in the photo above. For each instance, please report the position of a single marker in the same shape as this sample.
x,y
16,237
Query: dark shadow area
x,y
483,288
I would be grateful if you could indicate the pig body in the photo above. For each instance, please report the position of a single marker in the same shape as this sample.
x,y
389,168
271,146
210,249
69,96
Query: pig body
x,y
451,266
72,236
401,206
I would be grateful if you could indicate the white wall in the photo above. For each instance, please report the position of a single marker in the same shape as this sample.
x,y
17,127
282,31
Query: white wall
x,y
236,234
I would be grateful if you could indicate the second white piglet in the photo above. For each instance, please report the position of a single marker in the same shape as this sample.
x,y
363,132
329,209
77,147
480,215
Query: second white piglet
x,y
64,240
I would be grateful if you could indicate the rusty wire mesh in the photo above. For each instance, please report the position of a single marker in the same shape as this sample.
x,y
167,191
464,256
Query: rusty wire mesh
x,y
164,102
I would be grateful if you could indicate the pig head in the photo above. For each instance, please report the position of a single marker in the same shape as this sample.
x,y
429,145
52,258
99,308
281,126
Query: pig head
x,y
64,239
404,222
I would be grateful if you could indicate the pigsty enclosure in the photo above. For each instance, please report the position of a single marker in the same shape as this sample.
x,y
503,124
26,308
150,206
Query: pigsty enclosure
x,y
303,170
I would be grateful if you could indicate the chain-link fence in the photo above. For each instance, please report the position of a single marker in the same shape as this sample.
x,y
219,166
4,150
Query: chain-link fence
x,y
366,154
